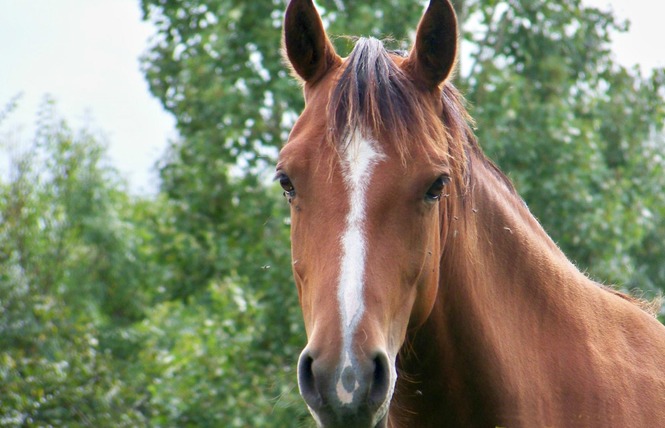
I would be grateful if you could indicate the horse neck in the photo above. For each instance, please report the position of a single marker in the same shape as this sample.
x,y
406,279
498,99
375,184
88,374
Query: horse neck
x,y
496,249
499,264
502,279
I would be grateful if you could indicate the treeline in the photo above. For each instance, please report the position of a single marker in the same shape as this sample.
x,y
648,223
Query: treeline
x,y
99,323
178,309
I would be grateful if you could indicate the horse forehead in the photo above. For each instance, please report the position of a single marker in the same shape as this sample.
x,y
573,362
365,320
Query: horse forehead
x,y
312,129
309,152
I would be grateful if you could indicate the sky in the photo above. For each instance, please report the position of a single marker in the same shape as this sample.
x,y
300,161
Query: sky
x,y
85,54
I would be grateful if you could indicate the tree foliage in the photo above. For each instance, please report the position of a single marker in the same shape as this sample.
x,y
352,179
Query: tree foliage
x,y
70,284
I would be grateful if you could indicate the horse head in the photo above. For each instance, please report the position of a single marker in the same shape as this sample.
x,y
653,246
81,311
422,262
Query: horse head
x,y
366,169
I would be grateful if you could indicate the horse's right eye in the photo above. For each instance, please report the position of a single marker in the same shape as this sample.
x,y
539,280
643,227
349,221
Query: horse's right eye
x,y
285,182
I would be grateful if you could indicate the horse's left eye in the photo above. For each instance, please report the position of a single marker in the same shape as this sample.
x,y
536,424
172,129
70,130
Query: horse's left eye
x,y
435,191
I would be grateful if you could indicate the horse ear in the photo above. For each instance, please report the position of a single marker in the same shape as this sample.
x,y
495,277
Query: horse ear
x,y
307,46
433,56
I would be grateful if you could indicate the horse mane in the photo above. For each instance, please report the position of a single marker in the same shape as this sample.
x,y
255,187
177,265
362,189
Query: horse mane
x,y
650,306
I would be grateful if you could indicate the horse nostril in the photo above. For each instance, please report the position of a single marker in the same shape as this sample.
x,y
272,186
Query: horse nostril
x,y
381,382
307,381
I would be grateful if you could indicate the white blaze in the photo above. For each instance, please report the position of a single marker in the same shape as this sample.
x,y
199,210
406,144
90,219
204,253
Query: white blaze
x,y
358,162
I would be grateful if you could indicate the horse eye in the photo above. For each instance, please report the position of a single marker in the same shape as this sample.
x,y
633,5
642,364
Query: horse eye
x,y
285,182
435,191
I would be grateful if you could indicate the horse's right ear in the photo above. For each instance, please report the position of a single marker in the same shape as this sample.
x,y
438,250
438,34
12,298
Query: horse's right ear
x,y
307,46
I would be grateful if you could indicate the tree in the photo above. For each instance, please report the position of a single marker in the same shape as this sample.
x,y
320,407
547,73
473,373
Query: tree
x,y
72,281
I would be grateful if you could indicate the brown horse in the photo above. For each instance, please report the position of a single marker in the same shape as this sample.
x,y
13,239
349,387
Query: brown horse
x,y
431,296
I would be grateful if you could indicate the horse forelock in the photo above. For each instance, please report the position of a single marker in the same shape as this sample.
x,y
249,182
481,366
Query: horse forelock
x,y
375,97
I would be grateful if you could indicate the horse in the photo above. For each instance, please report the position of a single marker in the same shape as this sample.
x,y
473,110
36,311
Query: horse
x,y
431,296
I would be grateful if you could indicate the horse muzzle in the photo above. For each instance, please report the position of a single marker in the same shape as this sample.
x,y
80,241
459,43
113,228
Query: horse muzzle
x,y
354,392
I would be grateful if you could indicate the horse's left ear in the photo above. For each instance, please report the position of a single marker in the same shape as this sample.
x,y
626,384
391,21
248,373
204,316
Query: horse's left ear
x,y
433,56
307,46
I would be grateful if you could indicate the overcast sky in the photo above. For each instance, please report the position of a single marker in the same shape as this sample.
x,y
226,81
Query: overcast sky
x,y
85,53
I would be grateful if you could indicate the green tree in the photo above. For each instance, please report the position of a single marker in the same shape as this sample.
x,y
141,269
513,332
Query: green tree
x,y
73,278
225,354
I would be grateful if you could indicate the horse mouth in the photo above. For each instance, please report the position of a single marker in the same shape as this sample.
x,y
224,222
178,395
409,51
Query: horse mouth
x,y
352,422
